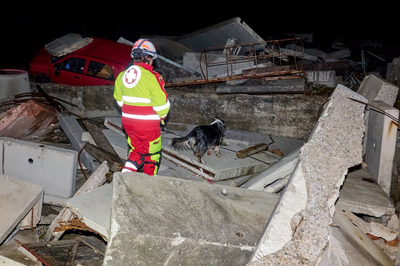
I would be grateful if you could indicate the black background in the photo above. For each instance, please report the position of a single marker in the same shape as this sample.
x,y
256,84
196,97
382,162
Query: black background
x,y
27,27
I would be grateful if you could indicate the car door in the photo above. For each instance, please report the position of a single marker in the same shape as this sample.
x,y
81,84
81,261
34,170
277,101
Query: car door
x,y
71,71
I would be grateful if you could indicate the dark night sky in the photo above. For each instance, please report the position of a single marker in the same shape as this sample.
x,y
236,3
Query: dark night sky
x,y
29,26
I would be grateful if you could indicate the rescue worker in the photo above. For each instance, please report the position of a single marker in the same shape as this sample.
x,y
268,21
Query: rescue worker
x,y
139,90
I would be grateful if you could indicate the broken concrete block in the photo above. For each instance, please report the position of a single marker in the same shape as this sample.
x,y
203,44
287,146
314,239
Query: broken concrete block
x,y
393,71
67,44
226,167
284,167
158,220
275,86
17,198
361,194
326,78
74,132
94,209
13,82
377,89
95,180
298,230
51,167
381,144
216,35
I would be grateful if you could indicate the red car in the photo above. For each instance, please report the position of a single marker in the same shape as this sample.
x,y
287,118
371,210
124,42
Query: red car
x,y
97,63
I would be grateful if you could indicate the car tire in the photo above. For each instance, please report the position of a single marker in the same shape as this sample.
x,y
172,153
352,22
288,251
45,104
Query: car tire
x,y
42,78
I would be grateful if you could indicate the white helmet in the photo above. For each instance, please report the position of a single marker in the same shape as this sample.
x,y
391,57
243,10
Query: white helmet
x,y
143,47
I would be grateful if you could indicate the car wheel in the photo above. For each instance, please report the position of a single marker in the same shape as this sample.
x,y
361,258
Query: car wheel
x,y
42,78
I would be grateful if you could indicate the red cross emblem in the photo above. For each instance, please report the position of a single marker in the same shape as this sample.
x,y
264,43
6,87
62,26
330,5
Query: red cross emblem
x,y
131,76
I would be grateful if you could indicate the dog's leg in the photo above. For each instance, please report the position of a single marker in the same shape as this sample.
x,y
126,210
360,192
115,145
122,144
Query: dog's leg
x,y
199,157
209,151
216,148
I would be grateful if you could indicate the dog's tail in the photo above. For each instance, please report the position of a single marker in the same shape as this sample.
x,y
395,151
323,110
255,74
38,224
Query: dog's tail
x,y
183,143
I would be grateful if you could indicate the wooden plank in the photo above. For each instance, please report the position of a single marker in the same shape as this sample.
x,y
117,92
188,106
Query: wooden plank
x,y
58,253
251,150
101,155
361,239
101,140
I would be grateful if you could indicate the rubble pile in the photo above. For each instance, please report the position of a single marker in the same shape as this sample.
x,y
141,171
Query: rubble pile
x,y
317,192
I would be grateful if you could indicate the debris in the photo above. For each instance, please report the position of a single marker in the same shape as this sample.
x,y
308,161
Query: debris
x,y
361,194
280,170
251,150
48,166
67,44
28,118
381,144
303,196
74,132
178,232
96,179
363,241
374,229
89,216
17,199
277,152
82,250
12,82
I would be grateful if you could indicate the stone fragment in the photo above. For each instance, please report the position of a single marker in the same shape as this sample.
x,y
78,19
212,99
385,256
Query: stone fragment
x,y
298,230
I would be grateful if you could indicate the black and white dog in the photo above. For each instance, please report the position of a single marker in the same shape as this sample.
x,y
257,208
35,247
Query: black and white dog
x,y
202,139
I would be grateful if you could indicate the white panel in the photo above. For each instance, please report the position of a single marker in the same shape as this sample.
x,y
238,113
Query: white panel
x,y
50,167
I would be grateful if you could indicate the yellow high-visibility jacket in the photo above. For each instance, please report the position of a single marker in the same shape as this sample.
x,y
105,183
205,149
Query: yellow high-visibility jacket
x,y
140,92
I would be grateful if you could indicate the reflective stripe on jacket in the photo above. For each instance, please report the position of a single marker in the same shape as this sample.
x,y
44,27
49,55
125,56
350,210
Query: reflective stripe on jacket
x,y
140,92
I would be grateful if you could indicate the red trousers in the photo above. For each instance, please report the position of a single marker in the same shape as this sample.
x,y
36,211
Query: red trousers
x,y
145,151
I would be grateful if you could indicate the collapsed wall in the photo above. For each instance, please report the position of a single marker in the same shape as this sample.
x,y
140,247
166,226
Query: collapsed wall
x,y
284,115
299,228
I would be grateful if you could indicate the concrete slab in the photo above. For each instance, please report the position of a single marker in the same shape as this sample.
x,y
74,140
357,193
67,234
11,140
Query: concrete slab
x,y
4,261
13,82
159,220
74,132
94,208
361,194
218,34
274,86
17,198
226,167
298,230
98,178
67,44
378,89
327,77
282,168
51,167
381,144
